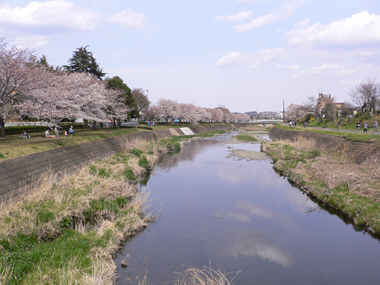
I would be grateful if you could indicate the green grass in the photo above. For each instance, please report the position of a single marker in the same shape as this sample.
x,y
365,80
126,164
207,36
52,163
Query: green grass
x,y
245,138
13,146
210,134
45,246
362,211
351,136
136,152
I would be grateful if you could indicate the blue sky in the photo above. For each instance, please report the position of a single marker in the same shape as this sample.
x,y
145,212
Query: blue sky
x,y
247,55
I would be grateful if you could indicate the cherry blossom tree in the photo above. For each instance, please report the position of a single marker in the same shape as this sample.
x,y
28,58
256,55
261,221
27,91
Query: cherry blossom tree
x,y
166,109
216,115
183,112
74,95
295,112
19,75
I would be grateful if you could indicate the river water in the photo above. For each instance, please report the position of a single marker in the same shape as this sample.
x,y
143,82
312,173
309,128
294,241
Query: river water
x,y
234,215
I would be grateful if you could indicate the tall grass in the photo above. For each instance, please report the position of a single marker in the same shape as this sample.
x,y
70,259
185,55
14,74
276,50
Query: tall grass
x,y
67,232
333,178
205,276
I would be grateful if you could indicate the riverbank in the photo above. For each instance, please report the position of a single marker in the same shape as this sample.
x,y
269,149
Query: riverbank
x,y
249,135
68,232
334,178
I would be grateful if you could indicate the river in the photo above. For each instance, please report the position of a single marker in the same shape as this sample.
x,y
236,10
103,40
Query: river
x,y
237,214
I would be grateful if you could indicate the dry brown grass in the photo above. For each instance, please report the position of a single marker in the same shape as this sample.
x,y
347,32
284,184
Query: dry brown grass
x,y
205,276
338,169
71,197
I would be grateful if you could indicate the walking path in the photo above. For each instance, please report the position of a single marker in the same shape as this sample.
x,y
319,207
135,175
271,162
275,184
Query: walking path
x,y
370,130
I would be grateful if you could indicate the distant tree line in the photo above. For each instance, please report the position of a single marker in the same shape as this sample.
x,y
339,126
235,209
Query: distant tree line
x,y
366,96
31,88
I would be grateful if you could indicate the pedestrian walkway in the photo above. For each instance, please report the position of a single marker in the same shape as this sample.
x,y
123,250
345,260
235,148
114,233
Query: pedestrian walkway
x,y
370,130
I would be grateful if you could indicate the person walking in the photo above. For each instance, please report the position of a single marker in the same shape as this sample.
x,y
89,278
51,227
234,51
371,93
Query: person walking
x,y
376,126
304,124
71,131
365,127
358,126
339,125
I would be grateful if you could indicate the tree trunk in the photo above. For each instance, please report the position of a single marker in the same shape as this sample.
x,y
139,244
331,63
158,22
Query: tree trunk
x,y
2,127
101,125
85,123
94,125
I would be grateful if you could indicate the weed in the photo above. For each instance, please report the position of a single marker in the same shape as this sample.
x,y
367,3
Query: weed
x,y
144,163
136,151
245,138
129,174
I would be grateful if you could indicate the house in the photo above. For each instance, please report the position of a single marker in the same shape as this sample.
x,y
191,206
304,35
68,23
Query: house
x,y
324,99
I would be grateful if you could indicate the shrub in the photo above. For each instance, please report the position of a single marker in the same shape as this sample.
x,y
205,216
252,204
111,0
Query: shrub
x,y
144,163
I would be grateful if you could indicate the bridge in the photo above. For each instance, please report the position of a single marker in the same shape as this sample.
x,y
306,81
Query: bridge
x,y
265,121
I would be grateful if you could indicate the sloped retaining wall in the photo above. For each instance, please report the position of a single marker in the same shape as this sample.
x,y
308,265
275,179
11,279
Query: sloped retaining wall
x,y
358,152
18,173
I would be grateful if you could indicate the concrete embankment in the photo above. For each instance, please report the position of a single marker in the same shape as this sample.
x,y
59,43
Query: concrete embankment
x,y
20,173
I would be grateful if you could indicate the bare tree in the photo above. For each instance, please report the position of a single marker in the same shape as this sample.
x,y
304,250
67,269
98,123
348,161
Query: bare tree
x,y
142,101
366,95
311,106
329,111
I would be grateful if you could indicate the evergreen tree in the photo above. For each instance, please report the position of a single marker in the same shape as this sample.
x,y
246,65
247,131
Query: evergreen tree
x,y
84,61
116,83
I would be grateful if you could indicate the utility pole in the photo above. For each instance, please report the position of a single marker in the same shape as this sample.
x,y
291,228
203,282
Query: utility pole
x,y
283,110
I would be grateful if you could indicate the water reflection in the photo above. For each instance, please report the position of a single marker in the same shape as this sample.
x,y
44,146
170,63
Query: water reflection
x,y
245,211
256,244
192,149
240,215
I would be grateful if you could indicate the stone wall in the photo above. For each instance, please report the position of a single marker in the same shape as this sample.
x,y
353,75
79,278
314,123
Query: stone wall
x,y
19,173
358,152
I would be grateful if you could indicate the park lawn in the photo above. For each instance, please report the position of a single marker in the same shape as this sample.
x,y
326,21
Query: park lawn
x,y
13,146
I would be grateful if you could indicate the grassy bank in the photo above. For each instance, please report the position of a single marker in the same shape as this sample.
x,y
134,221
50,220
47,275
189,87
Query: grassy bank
x,y
332,178
68,232
13,146
351,136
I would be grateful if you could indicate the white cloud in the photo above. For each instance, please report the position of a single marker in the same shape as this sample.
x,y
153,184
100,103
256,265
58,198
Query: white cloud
x,y
255,23
129,20
324,69
30,42
234,58
58,13
290,67
267,55
358,30
285,11
261,57
234,18
243,1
